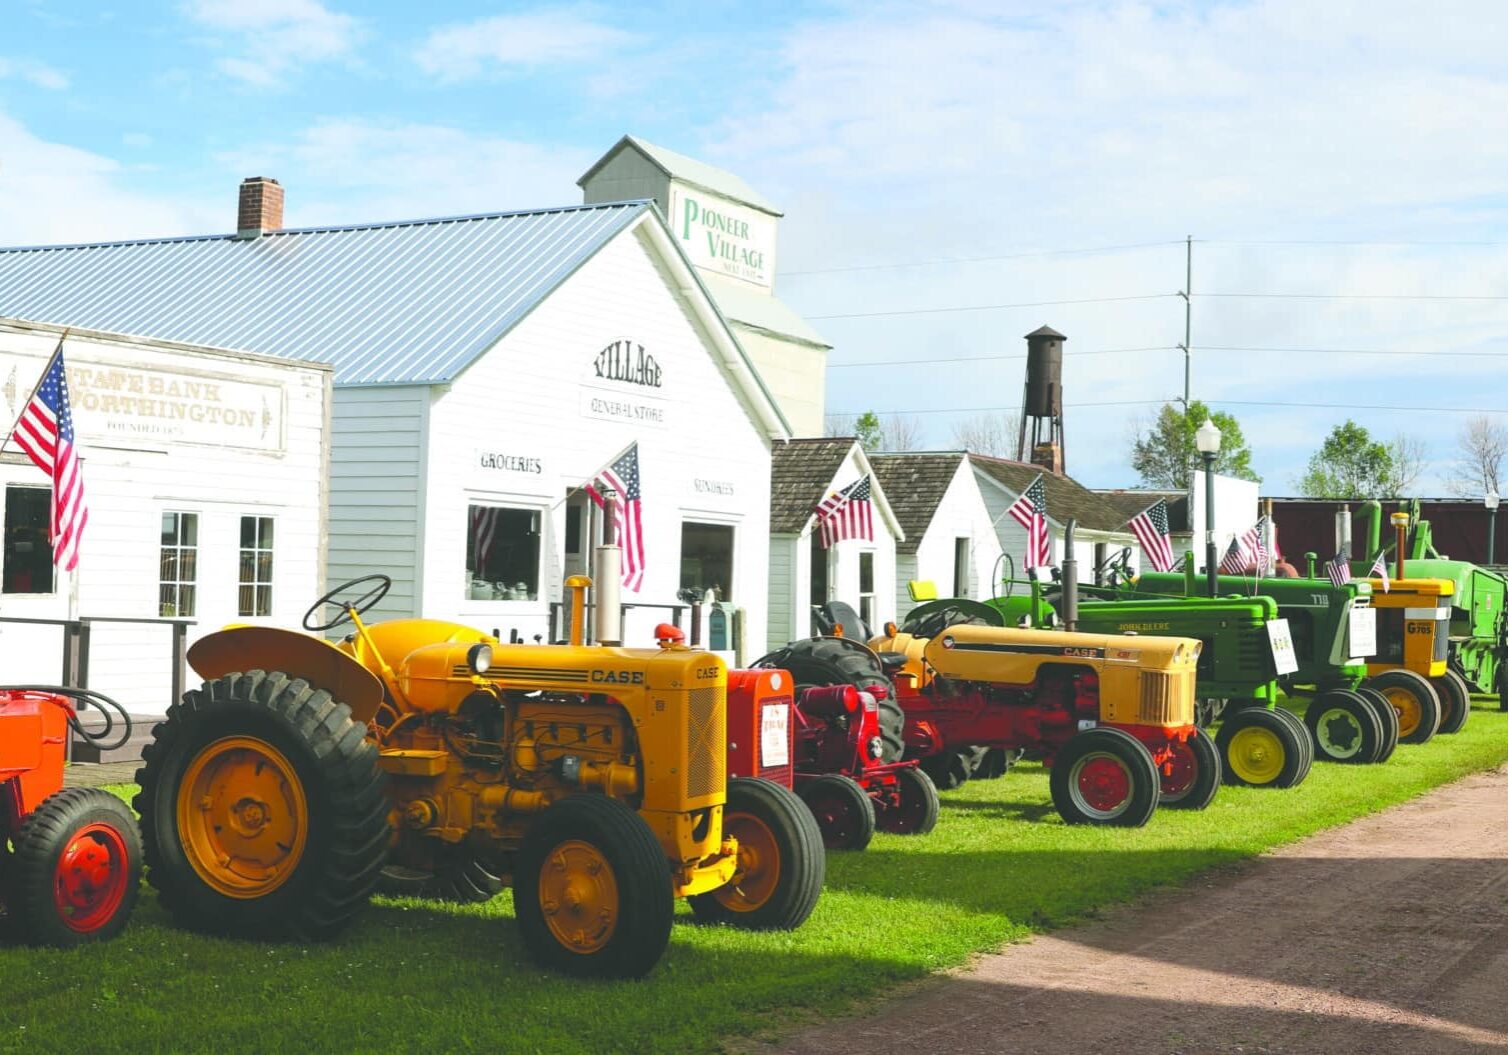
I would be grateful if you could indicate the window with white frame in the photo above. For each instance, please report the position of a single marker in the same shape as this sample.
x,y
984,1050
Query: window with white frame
x,y
707,561
502,553
27,557
178,573
866,588
255,595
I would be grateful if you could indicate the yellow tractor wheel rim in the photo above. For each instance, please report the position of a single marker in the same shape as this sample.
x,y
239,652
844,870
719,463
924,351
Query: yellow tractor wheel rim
x,y
1407,706
578,894
242,817
758,871
1256,755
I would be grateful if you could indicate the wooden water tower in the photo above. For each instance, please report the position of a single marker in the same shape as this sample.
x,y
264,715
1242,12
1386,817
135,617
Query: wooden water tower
x,y
1041,436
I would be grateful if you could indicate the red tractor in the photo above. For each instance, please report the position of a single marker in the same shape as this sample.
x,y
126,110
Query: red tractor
x,y
74,863
847,742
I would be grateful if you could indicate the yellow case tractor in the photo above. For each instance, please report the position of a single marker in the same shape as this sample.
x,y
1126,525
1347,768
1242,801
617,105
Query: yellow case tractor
x,y
1112,715
591,779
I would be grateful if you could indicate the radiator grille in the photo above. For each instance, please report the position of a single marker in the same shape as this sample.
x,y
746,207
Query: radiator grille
x,y
1167,699
706,739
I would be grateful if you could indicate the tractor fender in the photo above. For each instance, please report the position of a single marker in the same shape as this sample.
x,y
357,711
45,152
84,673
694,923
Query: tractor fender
x,y
242,648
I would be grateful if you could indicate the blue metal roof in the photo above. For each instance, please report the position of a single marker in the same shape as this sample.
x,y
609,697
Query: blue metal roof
x,y
397,303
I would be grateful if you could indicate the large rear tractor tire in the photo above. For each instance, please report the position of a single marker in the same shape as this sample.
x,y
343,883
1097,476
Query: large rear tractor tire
x,y
1415,700
1105,776
1455,701
1261,748
76,869
780,860
452,873
1345,727
817,661
843,810
919,806
1386,716
262,809
1196,774
592,891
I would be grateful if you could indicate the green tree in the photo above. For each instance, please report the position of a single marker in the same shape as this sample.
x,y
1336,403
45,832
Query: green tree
x,y
869,431
1350,464
1165,455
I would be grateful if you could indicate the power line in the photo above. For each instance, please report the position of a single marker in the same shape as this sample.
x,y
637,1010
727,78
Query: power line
x,y
1348,351
994,307
1497,411
1003,358
943,261
1341,241
1354,296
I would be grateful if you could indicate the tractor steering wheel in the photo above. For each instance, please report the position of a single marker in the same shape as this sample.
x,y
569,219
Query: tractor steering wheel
x,y
348,608
1117,568
1009,580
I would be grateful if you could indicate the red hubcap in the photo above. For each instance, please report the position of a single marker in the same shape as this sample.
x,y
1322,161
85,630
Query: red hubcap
x,y
90,882
1104,783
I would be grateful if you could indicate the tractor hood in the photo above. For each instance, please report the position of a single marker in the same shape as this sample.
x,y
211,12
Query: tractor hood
x,y
984,641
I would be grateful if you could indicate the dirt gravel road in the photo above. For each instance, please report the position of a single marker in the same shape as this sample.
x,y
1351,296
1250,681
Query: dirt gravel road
x,y
1387,935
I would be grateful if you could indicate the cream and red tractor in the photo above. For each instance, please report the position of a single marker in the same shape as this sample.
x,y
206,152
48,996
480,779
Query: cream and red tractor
x,y
593,780
72,866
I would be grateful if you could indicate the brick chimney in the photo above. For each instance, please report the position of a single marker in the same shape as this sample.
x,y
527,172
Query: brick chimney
x,y
261,207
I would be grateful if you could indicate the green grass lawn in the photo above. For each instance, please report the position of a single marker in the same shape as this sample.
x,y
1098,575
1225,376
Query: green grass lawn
x,y
413,976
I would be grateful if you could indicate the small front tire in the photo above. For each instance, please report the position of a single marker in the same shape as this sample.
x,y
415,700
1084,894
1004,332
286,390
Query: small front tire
x,y
593,895
1455,701
1345,727
1105,776
1261,748
916,813
843,810
781,864
1196,774
76,869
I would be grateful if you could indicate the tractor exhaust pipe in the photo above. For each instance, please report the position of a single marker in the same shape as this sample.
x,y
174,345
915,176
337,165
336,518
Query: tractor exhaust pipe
x,y
1070,580
1343,531
608,561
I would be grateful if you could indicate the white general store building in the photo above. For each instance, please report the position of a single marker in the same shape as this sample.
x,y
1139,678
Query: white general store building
x,y
204,474
484,368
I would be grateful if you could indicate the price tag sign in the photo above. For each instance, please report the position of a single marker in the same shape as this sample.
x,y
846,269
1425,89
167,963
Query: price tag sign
x,y
1283,656
1363,631
775,734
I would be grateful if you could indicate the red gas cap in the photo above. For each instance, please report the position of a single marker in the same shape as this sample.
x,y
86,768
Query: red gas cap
x,y
669,634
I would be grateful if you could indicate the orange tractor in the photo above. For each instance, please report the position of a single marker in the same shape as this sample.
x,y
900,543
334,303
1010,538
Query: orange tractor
x,y
74,863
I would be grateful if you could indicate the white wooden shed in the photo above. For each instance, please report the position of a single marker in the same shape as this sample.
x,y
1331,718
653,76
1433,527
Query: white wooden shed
x,y
803,574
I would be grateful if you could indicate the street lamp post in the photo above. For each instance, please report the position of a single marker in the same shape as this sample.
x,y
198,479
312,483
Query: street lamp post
x,y
1207,439
1490,500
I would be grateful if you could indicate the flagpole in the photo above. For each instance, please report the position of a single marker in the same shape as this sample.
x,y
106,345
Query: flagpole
x,y
46,368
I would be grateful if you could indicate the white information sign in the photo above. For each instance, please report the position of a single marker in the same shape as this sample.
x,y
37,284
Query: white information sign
x,y
723,236
1363,632
1283,656
775,734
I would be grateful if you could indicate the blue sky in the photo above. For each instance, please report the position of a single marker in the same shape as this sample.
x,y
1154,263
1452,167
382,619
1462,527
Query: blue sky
x,y
1351,158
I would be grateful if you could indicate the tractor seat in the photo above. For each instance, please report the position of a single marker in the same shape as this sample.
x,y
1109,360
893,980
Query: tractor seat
x,y
892,661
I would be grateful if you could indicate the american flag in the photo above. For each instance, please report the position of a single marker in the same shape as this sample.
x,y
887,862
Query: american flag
x,y
483,531
1234,561
1380,571
628,516
1030,511
45,432
1150,527
1338,568
847,514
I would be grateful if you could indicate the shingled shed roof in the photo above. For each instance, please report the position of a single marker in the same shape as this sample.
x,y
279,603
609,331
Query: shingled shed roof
x,y
915,484
1067,499
803,471
1132,502
800,472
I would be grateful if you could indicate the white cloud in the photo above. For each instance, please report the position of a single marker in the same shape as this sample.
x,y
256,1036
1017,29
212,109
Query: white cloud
x,y
35,73
563,36
274,37
53,194
348,171
899,132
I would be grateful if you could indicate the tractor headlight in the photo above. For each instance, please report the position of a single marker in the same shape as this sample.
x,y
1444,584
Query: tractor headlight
x,y
479,658
876,747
